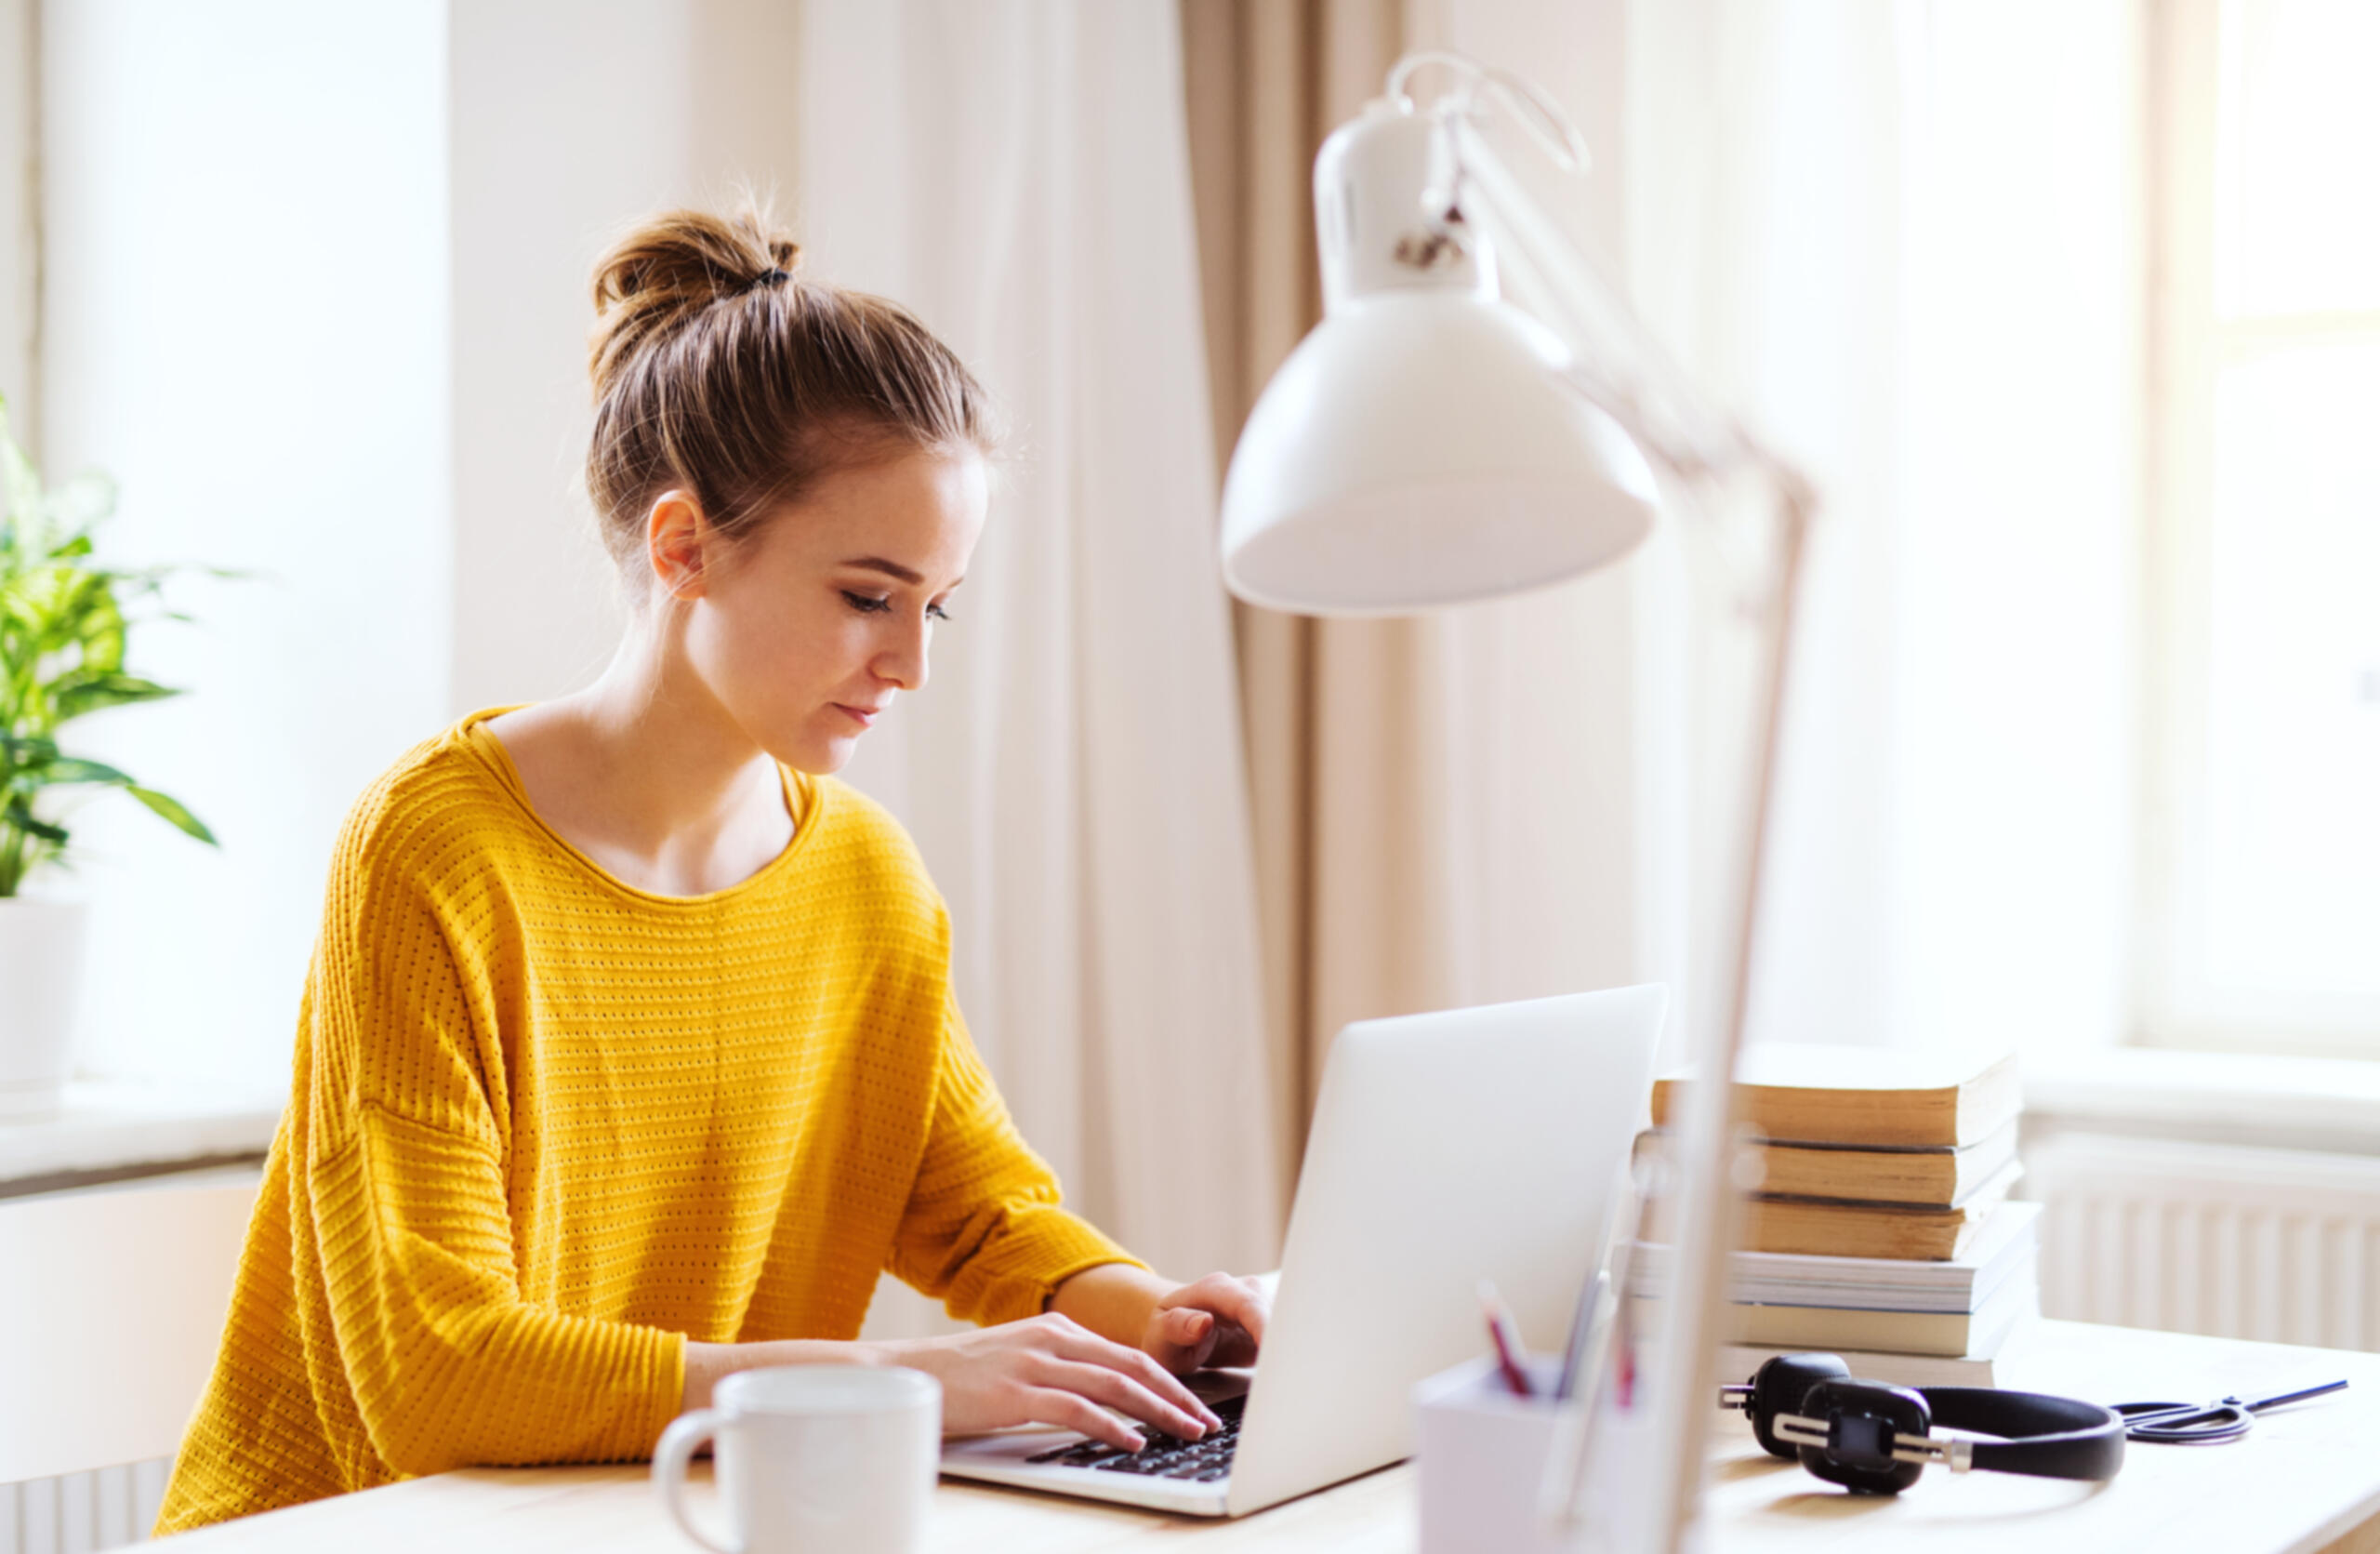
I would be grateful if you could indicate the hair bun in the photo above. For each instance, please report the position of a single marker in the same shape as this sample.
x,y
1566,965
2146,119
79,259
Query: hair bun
x,y
667,269
721,376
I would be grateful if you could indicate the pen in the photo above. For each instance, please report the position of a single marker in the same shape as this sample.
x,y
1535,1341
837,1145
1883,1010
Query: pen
x,y
1507,1342
1585,1358
1589,1327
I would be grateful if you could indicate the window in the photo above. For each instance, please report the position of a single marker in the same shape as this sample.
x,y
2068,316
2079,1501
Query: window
x,y
245,321
2262,867
19,109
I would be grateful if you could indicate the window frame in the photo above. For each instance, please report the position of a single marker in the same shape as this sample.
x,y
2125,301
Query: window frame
x,y
2186,344
20,214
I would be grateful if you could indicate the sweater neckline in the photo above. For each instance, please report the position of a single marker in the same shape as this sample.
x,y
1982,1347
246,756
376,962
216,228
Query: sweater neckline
x,y
805,798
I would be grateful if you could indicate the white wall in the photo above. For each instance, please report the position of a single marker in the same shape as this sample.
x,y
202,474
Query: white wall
x,y
318,300
245,323
570,120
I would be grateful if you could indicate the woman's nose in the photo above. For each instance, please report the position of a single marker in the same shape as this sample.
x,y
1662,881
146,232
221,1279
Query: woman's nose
x,y
904,664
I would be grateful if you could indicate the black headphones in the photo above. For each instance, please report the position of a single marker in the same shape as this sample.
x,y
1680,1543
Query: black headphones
x,y
1876,1439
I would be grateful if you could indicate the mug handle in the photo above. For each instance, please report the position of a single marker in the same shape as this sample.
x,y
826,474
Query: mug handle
x,y
669,1458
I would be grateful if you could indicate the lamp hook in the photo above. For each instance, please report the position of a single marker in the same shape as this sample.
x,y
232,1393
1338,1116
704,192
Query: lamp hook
x,y
1535,108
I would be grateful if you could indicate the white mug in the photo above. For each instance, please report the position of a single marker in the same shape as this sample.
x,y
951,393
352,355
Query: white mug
x,y
819,1459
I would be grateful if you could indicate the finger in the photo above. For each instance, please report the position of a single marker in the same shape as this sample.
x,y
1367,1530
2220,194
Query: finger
x,y
1051,1405
1188,1325
1235,1300
1232,1299
1190,1334
1241,1313
1116,1391
1173,1357
1143,1367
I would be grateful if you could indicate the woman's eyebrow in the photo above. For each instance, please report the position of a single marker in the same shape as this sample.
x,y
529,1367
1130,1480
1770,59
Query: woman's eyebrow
x,y
893,569
890,568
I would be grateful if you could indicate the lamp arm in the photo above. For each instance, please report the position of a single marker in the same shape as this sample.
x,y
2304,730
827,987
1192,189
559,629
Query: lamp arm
x,y
1710,1225
1618,363
1634,380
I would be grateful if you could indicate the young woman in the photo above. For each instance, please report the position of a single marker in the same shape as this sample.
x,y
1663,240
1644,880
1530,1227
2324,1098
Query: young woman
x,y
628,1057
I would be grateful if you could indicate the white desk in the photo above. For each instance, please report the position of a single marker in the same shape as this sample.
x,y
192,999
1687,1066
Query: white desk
x,y
2303,1481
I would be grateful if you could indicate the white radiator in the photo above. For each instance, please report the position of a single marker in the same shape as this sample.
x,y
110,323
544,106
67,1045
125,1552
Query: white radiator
x,y
131,1306
2276,1244
81,1513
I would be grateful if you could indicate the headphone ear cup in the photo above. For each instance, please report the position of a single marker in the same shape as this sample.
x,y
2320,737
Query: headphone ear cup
x,y
1780,1386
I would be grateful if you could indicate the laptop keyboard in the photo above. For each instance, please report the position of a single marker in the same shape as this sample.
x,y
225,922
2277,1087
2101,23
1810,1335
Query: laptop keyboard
x,y
1205,1460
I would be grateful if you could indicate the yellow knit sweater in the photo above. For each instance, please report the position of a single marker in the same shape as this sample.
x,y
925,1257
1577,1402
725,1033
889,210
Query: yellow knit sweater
x,y
546,1127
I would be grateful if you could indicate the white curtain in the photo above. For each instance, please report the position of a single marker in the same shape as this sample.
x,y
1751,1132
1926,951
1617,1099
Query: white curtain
x,y
1902,239
1017,173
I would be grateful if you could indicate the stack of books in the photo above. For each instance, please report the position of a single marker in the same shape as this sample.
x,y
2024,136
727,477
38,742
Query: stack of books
x,y
1882,1229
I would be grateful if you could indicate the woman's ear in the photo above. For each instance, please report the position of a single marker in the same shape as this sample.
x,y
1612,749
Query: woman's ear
x,y
677,545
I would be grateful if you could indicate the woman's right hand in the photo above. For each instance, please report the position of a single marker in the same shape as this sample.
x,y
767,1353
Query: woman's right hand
x,y
1048,1370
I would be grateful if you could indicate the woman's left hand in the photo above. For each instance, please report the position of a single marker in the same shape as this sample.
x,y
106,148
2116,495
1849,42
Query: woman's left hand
x,y
1215,1320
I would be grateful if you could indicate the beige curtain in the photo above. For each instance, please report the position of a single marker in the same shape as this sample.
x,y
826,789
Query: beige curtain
x,y
1330,708
1448,810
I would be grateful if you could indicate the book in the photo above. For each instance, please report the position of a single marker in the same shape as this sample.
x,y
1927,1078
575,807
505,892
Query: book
x,y
1948,1334
1829,1228
1897,1370
1868,1096
1832,1227
1934,1176
2010,1238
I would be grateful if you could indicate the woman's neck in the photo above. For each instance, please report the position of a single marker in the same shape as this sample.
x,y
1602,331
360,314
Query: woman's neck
x,y
645,772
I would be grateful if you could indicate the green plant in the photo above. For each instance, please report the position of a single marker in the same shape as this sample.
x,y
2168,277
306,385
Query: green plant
x,y
64,620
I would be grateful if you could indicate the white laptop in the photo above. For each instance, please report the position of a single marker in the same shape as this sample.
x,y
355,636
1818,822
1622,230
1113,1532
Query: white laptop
x,y
1446,1148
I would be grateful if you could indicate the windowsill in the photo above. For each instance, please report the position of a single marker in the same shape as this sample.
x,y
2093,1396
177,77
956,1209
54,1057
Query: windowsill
x,y
112,1130
2327,1104
108,1132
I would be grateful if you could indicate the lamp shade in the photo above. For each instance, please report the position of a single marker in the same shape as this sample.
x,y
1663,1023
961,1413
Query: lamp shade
x,y
1426,444
1422,448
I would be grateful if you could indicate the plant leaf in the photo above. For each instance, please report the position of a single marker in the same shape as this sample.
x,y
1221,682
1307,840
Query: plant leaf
x,y
182,819
64,620
68,768
86,618
89,691
25,820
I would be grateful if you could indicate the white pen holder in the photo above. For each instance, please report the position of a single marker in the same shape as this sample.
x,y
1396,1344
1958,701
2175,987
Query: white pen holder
x,y
1482,1449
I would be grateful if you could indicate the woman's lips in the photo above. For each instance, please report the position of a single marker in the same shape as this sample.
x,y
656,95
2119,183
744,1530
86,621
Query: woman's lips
x,y
864,716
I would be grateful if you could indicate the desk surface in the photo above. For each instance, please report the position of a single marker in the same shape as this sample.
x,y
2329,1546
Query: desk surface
x,y
2304,1481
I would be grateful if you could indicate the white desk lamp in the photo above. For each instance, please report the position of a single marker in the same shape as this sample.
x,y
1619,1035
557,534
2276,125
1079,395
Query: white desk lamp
x,y
1429,443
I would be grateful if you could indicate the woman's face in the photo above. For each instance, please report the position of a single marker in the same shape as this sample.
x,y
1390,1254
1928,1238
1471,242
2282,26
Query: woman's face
x,y
808,631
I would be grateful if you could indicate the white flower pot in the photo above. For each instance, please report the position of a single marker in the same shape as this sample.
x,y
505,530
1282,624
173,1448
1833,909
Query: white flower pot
x,y
41,980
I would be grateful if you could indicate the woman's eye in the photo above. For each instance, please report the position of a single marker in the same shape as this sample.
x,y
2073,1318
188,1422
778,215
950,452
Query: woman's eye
x,y
880,603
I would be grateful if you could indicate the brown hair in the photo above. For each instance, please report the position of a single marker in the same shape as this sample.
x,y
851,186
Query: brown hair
x,y
720,370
